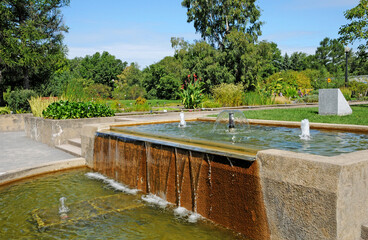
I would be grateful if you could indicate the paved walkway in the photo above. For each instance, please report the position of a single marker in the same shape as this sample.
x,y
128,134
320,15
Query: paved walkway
x,y
18,151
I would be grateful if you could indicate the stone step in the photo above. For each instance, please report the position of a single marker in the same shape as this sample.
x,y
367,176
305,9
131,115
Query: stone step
x,y
71,149
75,142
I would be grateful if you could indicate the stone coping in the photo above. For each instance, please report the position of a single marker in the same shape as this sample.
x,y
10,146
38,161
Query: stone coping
x,y
22,173
13,122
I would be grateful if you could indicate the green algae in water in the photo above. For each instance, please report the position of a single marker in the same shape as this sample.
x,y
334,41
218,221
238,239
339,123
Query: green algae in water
x,y
17,201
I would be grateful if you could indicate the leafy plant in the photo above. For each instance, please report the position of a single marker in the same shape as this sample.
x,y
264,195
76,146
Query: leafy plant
x,y
18,100
191,94
228,94
358,89
291,92
39,104
4,110
69,110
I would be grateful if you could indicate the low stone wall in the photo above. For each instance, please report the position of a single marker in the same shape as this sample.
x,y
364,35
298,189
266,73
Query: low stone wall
x,y
13,122
56,132
314,197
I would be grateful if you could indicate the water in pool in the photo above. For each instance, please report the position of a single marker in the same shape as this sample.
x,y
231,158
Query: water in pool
x,y
139,219
257,137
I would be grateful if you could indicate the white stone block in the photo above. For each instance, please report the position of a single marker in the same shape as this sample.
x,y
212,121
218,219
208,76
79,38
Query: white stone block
x,y
333,102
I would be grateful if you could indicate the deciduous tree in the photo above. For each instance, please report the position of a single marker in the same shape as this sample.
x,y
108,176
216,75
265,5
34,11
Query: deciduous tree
x,y
357,29
215,19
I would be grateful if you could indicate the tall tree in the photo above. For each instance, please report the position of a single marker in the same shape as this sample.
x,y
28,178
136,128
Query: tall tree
x,y
330,54
215,19
31,34
298,61
286,64
357,29
101,68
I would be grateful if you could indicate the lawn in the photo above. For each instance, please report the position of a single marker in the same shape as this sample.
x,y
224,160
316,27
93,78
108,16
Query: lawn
x,y
153,103
359,116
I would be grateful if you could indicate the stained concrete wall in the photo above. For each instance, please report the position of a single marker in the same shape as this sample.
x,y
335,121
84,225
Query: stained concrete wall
x,y
57,132
12,122
314,197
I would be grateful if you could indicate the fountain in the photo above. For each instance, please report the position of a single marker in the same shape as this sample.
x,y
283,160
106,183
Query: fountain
x,y
63,210
182,123
228,120
305,130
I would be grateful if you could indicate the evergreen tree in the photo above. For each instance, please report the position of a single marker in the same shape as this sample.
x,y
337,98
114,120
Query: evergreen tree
x,y
31,34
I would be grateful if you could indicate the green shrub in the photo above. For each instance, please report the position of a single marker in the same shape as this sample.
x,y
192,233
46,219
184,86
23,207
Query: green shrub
x,y
346,92
18,100
4,110
140,101
97,91
70,110
228,94
210,104
359,89
310,98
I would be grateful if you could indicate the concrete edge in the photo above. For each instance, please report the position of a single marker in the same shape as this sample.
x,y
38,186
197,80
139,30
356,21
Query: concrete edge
x,y
18,174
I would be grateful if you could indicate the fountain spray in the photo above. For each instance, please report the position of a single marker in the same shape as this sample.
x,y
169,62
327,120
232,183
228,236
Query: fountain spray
x,y
305,130
182,123
231,120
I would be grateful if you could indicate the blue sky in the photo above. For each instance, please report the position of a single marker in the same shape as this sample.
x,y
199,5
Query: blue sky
x,y
140,31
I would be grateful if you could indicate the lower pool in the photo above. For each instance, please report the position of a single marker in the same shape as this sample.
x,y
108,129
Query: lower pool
x,y
145,220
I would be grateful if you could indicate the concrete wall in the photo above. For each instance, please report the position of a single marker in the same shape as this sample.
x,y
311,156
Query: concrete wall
x,y
12,122
314,197
57,132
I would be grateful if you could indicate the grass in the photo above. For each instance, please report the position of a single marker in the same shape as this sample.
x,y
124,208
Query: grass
x,y
359,116
153,103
